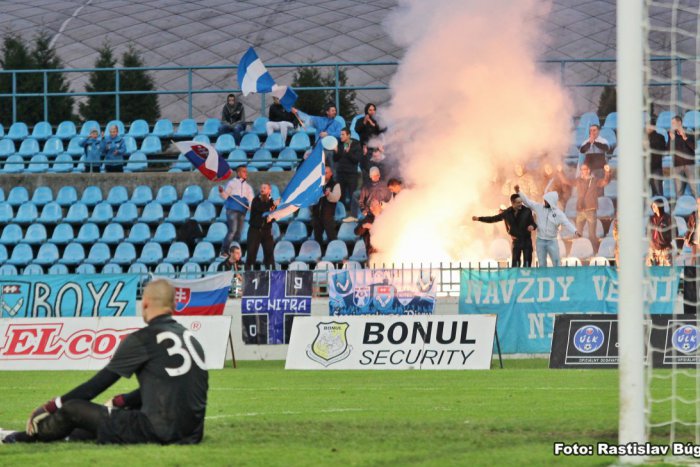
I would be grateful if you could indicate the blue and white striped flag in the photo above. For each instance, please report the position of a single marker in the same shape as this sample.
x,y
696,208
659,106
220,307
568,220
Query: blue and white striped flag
x,y
306,186
254,77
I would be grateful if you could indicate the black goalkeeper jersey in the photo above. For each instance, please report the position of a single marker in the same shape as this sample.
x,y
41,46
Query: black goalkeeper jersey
x,y
173,381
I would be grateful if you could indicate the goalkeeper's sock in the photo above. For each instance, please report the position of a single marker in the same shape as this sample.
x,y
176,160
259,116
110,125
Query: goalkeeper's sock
x,y
11,437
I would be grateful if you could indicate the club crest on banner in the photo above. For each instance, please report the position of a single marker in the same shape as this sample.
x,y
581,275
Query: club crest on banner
x,y
331,343
383,297
685,339
342,282
182,298
200,151
360,296
405,296
13,296
589,338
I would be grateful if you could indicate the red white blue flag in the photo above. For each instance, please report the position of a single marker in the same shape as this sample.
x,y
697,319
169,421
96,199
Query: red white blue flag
x,y
206,296
205,158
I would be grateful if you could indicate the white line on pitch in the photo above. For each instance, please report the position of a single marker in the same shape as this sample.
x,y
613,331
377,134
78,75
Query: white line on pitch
x,y
285,412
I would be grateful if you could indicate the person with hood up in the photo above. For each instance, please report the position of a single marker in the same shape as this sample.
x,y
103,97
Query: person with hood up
x,y
549,219
661,235
114,150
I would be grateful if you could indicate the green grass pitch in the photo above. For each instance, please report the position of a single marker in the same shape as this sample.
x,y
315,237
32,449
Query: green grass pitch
x,y
262,415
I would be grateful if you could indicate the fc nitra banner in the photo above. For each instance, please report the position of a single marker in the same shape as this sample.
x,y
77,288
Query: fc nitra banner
x,y
271,300
381,292
527,299
68,295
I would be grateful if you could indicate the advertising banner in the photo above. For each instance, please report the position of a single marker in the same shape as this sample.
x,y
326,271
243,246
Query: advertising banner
x,y
392,343
381,292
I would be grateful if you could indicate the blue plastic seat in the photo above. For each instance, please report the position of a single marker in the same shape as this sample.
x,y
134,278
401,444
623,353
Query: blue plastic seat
x,y
102,213
193,195
205,213
99,254
287,158
18,131
62,164
6,213
3,253
225,144
112,234
127,213
296,232
33,270
77,214
284,252
42,195
309,252
163,128
167,195
53,147
26,214
38,164
340,212
274,142
353,123
112,268
359,252
588,119
211,127
178,253
86,269
191,270
202,139
141,269
118,123
152,213
130,144
74,148
216,233
203,253
117,195
2,195
66,130
346,232
14,164
47,255
165,269
29,148
62,234
139,234
611,121
2,131
88,126
139,129
51,214
304,215
187,129
336,251
7,147
179,213
259,126
151,145
165,233
249,143
92,195
137,162
237,157
58,269
21,255
142,195
8,270
214,197
73,255
609,135
151,254
182,164
125,254
88,234
11,234
262,159
67,196
42,131
663,121
341,120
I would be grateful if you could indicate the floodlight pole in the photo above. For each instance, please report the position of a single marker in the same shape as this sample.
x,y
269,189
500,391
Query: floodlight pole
x,y
630,72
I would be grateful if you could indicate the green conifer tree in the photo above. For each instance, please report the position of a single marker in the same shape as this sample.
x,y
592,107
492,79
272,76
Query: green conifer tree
x,y
102,107
135,106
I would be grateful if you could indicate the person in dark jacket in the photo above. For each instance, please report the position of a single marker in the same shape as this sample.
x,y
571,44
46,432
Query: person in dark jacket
x,y
260,229
690,269
363,228
368,128
233,118
595,148
661,233
682,146
519,224
190,233
657,147
323,212
377,189
346,159
279,120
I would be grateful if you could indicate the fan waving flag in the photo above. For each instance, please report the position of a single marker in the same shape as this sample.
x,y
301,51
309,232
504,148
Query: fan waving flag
x,y
205,158
306,186
254,77
206,296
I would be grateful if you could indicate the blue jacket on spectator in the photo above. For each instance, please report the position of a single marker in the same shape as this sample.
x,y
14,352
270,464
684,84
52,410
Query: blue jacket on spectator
x,y
94,147
115,149
321,124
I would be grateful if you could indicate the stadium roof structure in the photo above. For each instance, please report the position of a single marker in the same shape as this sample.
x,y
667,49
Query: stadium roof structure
x,y
217,32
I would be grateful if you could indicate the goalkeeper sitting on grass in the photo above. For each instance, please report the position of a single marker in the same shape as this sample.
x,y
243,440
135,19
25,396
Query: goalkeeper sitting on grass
x,y
167,408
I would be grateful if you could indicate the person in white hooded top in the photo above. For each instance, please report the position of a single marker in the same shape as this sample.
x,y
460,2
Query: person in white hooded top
x,y
549,219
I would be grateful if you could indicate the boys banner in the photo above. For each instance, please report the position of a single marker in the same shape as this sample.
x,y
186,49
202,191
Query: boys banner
x,y
85,295
271,300
381,292
527,299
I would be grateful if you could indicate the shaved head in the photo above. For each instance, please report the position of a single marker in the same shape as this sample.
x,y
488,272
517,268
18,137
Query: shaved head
x,y
158,299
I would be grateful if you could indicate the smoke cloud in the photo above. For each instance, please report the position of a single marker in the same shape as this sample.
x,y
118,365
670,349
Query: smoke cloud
x,y
469,101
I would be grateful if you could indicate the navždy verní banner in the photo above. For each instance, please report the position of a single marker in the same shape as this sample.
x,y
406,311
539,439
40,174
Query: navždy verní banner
x,y
381,292
527,299
68,295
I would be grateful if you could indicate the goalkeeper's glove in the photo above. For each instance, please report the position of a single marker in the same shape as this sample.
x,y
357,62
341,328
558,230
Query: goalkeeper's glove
x,y
40,413
117,401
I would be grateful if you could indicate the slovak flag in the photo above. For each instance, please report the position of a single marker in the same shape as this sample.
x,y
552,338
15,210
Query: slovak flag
x,y
253,77
206,296
205,158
